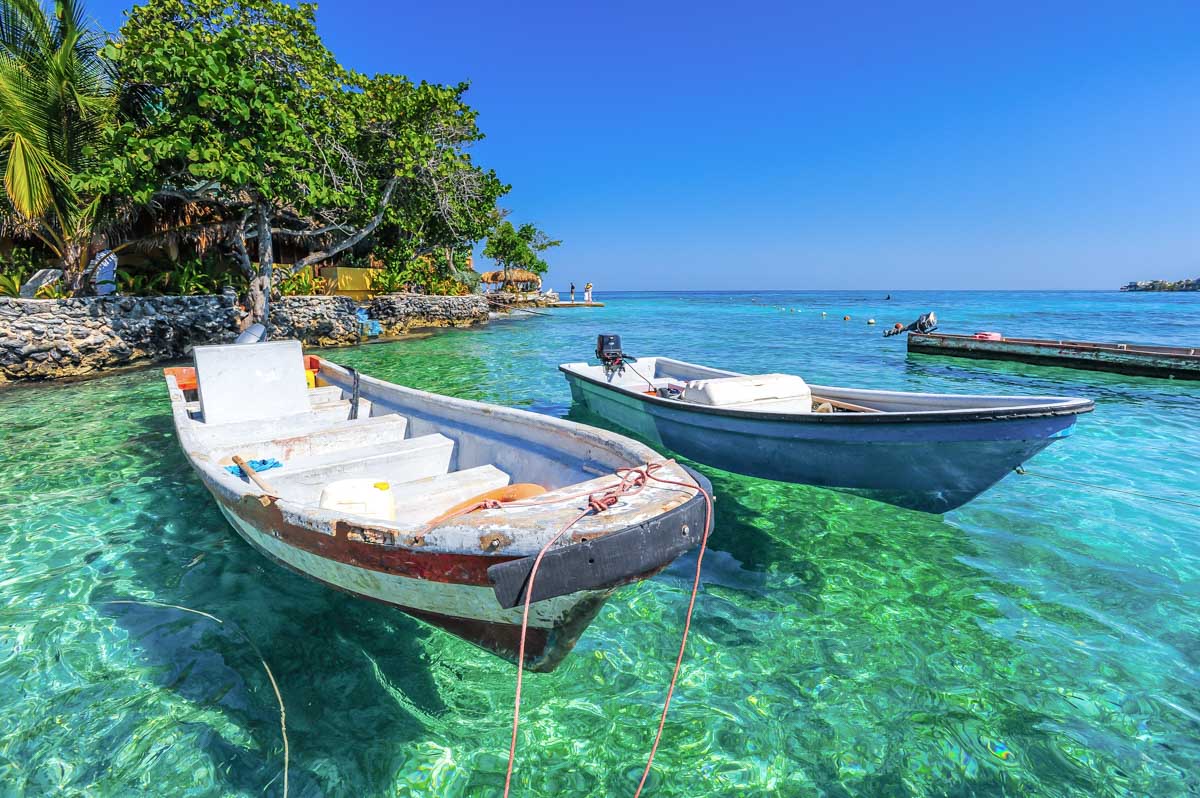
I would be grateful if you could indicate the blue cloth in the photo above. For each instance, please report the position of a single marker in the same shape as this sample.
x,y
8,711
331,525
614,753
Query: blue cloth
x,y
104,272
257,465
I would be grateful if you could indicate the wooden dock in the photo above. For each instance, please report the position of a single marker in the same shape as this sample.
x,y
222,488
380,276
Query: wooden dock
x,y
1178,362
575,305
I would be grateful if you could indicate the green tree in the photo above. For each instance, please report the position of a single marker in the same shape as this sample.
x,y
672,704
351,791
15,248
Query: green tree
x,y
519,247
252,113
57,108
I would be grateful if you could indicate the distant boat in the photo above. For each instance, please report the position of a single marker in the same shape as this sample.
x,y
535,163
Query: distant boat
x,y
923,451
1179,362
378,490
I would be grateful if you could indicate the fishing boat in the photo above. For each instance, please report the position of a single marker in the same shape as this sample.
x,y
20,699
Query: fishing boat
x,y
1177,362
435,505
923,451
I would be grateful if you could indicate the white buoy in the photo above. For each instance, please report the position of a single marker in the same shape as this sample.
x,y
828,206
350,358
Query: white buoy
x,y
870,321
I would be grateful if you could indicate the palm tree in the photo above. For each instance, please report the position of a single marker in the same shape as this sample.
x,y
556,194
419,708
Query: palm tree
x,y
57,101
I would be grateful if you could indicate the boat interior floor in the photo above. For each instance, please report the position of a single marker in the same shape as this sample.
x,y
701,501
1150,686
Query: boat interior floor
x,y
325,446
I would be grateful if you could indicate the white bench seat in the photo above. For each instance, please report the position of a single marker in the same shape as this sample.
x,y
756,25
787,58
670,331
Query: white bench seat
x,y
331,439
326,393
422,500
230,434
394,463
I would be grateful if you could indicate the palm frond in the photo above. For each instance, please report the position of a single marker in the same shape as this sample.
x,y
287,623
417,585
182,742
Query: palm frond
x,y
27,177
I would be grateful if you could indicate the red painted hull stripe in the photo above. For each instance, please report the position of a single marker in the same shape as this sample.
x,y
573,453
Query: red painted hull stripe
x,y
433,566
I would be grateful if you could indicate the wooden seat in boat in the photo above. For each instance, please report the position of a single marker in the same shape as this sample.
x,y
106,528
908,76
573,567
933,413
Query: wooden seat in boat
x,y
326,393
423,500
268,412
394,463
310,421
335,437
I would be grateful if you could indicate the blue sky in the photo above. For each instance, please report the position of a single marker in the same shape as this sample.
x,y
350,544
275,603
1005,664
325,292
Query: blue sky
x,y
685,145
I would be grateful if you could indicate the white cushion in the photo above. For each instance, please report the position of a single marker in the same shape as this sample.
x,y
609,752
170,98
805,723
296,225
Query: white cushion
x,y
725,391
250,382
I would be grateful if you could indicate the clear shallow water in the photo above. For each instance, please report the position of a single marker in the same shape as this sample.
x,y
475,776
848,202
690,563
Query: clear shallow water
x,y
1044,640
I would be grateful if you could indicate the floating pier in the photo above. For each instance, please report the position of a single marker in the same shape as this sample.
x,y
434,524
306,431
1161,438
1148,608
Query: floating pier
x,y
1179,362
575,305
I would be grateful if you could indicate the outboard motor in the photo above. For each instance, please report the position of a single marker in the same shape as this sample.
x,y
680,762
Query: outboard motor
x,y
927,322
608,352
254,334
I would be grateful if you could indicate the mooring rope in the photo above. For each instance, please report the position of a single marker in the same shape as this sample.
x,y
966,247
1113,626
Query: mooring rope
x,y
632,480
1139,494
262,660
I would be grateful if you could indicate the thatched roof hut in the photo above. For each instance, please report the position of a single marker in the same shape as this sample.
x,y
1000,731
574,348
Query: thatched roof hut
x,y
514,276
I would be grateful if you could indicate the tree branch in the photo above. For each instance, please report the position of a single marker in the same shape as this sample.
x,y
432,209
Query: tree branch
x,y
280,231
346,243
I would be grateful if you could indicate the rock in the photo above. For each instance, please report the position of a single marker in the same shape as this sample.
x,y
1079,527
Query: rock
x,y
315,320
45,339
400,313
90,334
40,279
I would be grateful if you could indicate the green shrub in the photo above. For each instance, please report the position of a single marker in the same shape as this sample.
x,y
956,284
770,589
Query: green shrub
x,y
191,277
133,283
302,283
10,284
387,281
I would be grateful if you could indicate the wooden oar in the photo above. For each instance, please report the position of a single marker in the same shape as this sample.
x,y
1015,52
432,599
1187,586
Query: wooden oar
x,y
263,485
845,405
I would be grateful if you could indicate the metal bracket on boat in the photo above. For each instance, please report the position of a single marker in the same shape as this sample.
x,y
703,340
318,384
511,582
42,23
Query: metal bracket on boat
x,y
354,392
606,561
494,540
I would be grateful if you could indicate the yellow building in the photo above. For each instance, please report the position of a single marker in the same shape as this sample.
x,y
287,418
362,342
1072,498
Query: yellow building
x,y
357,282
352,281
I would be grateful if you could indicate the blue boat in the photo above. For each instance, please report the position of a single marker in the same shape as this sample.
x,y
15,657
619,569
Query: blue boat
x,y
923,451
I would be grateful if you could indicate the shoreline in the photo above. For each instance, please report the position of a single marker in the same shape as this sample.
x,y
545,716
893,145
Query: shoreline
x,y
55,340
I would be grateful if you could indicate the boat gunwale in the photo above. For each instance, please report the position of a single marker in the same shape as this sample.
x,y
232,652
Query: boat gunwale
x,y
1063,406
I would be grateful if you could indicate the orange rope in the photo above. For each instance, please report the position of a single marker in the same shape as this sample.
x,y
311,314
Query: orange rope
x,y
687,625
512,746
632,480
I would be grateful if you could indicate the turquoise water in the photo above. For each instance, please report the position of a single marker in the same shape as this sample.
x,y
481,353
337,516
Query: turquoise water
x,y
1043,640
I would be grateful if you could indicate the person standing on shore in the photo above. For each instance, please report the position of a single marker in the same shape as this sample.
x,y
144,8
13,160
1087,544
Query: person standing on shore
x,y
572,292
587,293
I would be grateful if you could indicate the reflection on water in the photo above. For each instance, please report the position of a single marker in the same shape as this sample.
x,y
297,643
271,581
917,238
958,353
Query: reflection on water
x,y
1040,641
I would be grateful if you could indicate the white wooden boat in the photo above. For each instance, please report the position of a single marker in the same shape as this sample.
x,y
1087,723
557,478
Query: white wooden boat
x,y
930,452
391,534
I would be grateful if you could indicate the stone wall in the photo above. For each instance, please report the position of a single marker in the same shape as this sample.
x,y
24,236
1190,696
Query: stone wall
x,y
399,313
315,320
51,338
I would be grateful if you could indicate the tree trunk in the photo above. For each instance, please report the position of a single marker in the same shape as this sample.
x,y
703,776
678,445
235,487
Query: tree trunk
x,y
74,266
260,285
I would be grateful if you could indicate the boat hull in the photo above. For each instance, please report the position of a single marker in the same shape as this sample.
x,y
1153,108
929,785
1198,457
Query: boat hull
x,y
469,611
932,467
459,593
1162,361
